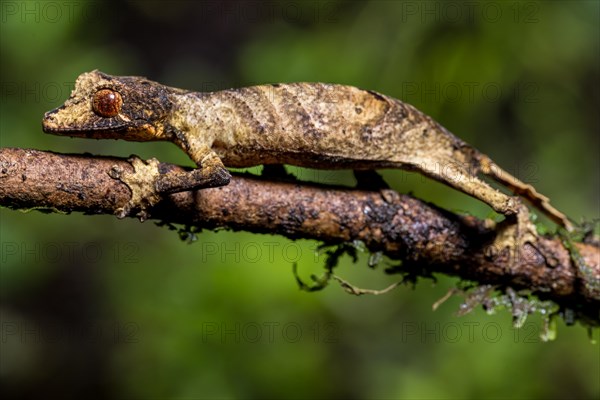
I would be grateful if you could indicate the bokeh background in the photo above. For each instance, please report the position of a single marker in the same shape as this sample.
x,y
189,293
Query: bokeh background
x,y
96,306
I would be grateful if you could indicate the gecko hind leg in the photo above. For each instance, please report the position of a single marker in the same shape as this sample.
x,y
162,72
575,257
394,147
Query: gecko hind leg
x,y
515,231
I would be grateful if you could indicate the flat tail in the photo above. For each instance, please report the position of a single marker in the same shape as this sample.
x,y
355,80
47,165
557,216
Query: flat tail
x,y
491,169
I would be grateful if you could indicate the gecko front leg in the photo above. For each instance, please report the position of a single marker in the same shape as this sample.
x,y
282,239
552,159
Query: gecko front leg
x,y
150,179
210,173
135,109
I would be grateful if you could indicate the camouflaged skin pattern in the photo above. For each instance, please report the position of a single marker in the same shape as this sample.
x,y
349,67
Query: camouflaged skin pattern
x,y
315,125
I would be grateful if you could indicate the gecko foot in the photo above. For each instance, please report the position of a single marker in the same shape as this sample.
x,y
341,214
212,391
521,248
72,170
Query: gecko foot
x,y
141,184
516,231
151,179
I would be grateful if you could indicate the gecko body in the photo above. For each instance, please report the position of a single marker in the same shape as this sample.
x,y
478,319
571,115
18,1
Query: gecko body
x,y
315,125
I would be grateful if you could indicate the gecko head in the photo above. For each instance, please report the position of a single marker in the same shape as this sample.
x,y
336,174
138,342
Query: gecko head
x,y
102,106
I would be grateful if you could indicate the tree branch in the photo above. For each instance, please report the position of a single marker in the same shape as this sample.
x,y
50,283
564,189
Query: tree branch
x,y
425,237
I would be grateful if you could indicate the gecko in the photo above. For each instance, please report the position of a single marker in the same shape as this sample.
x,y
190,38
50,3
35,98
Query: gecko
x,y
315,125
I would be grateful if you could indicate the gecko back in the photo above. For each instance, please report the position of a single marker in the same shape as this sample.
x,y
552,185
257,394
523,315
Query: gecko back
x,y
331,126
322,126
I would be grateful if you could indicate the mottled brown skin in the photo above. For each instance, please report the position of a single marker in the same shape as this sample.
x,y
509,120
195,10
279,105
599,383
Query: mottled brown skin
x,y
313,125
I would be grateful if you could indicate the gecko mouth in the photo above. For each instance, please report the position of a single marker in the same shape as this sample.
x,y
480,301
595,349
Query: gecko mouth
x,y
79,132
49,126
101,128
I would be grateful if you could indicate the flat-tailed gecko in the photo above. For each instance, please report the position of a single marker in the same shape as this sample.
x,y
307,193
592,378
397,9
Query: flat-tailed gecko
x,y
314,125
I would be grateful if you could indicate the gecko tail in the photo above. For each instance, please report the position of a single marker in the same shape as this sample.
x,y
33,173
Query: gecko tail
x,y
491,169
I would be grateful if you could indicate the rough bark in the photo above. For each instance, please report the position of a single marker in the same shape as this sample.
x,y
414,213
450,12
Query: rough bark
x,y
425,237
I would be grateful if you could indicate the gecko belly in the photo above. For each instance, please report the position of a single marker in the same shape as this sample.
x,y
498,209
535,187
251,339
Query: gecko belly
x,y
242,158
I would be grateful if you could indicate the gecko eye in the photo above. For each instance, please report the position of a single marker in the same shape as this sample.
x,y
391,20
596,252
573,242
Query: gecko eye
x,y
107,103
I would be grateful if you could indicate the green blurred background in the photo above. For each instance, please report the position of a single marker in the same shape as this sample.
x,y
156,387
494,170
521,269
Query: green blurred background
x,y
93,305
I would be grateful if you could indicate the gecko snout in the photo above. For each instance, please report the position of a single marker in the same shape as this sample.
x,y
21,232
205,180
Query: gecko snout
x,y
49,123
